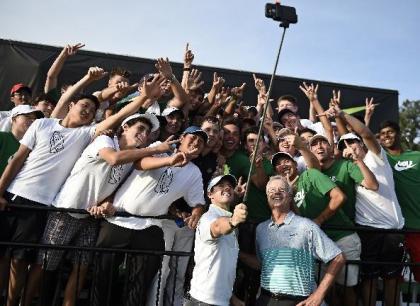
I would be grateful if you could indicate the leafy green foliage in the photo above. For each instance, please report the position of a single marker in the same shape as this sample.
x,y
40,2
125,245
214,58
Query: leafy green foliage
x,y
410,124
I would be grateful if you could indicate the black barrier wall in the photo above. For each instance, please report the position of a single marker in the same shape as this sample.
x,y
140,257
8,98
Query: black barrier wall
x,y
28,63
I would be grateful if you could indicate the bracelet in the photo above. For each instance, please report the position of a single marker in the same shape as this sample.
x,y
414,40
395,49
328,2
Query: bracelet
x,y
186,69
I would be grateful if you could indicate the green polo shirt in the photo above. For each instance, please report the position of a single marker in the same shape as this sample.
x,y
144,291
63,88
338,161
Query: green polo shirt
x,y
312,197
346,175
406,170
8,146
239,165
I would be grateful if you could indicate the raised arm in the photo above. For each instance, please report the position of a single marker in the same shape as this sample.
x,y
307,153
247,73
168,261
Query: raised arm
x,y
113,157
62,107
149,90
369,179
123,87
225,225
57,66
215,88
188,60
182,98
179,159
311,92
369,110
363,131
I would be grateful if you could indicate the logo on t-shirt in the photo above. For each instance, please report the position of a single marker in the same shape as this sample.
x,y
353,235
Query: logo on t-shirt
x,y
164,181
299,197
402,165
56,142
333,178
115,174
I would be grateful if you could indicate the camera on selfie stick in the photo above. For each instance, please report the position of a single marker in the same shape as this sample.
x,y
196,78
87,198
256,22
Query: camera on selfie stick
x,y
285,14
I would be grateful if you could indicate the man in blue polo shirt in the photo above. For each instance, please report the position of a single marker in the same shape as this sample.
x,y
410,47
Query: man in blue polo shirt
x,y
287,246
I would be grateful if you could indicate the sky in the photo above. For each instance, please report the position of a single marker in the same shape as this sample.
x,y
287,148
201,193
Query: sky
x,y
373,43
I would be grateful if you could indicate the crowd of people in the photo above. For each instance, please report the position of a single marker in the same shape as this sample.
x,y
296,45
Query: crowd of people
x,y
163,146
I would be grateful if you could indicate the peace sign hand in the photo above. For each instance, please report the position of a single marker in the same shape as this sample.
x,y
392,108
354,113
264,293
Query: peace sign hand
x,y
240,188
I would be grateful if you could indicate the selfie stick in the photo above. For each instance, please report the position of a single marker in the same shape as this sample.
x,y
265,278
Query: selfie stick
x,y
260,130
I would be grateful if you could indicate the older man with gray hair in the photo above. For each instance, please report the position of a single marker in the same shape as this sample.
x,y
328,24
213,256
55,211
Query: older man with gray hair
x,y
287,246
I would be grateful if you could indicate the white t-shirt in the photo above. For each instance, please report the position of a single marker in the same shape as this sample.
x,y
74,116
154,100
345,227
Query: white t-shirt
x,y
301,165
54,150
215,261
151,192
92,178
5,121
379,208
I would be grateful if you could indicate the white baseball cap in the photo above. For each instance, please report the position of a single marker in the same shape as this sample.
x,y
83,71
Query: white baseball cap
x,y
152,118
26,109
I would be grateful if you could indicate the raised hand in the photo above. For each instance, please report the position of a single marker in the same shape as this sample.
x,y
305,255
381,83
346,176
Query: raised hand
x,y
238,91
294,140
370,107
194,81
217,82
336,99
239,214
168,145
164,67
259,85
71,50
310,91
349,152
291,183
153,89
179,159
188,57
223,97
240,188
96,73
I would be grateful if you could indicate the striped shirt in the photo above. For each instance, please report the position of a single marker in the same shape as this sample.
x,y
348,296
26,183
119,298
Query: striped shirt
x,y
287,253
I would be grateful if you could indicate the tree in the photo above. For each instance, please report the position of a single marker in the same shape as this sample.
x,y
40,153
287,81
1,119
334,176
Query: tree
x,y
410,124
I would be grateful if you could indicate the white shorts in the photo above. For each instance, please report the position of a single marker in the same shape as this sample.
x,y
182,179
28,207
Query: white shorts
x,y
351,247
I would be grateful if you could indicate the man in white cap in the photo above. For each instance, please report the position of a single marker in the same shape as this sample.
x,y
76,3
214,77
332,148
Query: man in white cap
x,y
21,118
216,246
172,121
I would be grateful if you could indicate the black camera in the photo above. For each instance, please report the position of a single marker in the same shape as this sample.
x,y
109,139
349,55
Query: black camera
x,y
282,13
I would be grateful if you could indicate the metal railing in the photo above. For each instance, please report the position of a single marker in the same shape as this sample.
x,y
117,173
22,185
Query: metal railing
x,y
407,293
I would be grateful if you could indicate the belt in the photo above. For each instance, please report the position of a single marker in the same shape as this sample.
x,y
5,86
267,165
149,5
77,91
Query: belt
x,y
282,296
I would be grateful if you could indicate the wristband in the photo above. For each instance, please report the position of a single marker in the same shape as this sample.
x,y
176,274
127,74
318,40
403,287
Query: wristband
x,y
186,69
